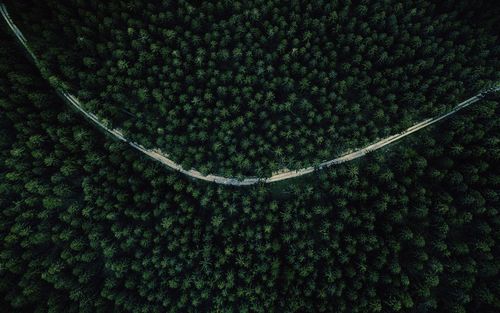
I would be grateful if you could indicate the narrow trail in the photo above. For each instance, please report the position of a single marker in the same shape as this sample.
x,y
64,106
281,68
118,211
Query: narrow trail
x,y
283,175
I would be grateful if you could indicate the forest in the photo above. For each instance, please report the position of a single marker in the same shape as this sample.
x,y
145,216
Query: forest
x,y
89,225
249,88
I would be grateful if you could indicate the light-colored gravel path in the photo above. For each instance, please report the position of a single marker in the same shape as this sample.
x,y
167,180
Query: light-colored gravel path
x,y
286,174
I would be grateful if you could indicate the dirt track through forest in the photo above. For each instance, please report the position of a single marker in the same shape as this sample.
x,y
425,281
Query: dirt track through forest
x,y
286,174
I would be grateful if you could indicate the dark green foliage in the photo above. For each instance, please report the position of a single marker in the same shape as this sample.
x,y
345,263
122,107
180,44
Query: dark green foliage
x,y
89,225
251,87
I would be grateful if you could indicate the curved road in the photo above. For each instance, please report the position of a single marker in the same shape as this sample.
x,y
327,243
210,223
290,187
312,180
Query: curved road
x,y
163,158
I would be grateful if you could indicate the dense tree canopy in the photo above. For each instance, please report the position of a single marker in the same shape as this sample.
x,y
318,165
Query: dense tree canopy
x,y
250,87
89,225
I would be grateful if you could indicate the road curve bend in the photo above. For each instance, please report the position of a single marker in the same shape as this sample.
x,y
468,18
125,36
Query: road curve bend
x,y
161,157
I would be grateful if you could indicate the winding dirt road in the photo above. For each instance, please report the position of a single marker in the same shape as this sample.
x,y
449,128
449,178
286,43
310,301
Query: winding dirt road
x,y
163,157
